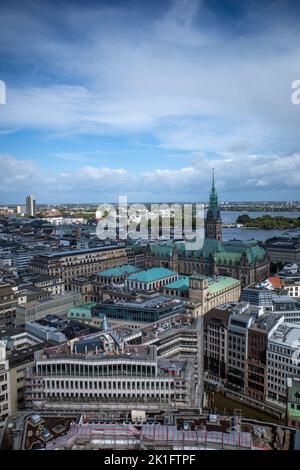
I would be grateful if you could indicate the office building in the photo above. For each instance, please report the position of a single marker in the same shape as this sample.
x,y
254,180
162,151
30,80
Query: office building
x,y
283,360
70,379
76,263
4,386
31,205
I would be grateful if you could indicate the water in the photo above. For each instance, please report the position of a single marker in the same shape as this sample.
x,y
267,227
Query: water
x,y
229,217
227,405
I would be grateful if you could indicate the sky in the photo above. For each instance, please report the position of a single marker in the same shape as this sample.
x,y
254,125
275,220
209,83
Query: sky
x,y
139,98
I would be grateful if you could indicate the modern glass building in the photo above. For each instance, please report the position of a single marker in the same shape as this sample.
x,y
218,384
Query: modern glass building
x,y
151,310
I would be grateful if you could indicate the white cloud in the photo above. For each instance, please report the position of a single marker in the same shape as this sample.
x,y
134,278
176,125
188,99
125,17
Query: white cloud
x,y
222,97
190,87
235,178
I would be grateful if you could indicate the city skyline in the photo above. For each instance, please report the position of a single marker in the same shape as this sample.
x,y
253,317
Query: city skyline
x,y
120,98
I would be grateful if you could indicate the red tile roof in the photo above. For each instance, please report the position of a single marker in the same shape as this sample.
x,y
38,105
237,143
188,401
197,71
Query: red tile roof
x,y
276,282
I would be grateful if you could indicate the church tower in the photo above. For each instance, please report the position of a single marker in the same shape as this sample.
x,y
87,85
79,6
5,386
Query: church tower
x,y
213,223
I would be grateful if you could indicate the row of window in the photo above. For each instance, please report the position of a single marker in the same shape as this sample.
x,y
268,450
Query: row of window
x,y
111,385
97,370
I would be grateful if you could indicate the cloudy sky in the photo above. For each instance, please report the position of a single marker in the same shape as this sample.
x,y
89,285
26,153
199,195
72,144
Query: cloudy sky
x,y
144,98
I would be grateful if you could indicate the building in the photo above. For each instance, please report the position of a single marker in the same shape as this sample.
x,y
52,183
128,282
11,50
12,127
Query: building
x,y
176,337
288,307
285,248
53,284
83,285
238,325
207,293
272,301
293,402
216,343
31,205
139,313
76,263
282,360
23,342
243,260
292,287
116,275
4,386
68,378
84,313
150,280
256,372
8,304
213,225
259,296
54,305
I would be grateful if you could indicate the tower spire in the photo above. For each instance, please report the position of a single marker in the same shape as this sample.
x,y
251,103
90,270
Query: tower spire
x,y
213,219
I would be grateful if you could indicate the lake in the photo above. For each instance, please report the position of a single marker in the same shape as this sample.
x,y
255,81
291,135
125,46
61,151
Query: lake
x,y
229,217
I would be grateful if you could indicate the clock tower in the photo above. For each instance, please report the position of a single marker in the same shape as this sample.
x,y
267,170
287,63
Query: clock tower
x,y
213,223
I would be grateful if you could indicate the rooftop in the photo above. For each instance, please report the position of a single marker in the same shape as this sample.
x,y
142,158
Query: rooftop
x,y
221,282
287,334
151,275
82,252
154,302
119,271
215,285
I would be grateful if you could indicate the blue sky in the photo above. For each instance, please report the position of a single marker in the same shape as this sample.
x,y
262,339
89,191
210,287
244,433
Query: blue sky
x,y
144,98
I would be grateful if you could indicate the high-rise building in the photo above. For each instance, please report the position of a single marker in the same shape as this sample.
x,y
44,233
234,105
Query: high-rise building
x,y
30,205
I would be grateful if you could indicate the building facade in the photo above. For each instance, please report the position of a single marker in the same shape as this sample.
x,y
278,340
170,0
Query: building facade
x,y
76,263
85,382
4,386
30,205
8,304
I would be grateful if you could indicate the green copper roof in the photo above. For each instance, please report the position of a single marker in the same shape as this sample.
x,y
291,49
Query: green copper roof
x,y
253,251
119,271
166,249
220,283
150,275
182,283
228,257
213,197
83,311
162,249
210,247
215,285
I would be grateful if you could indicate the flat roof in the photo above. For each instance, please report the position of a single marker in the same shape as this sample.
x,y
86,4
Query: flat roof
x,y
287,334
153,302
83,251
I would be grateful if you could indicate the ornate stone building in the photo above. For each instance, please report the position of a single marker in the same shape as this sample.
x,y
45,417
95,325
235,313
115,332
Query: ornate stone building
x,y
243,260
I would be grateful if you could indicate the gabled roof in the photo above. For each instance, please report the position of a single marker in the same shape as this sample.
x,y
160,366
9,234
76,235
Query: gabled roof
x,y
275,281
210,247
